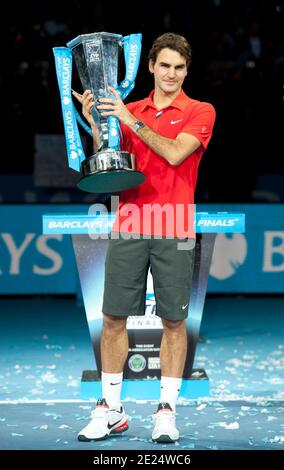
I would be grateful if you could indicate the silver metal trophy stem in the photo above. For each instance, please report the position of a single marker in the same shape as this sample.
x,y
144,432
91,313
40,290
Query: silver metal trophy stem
x,y
104,133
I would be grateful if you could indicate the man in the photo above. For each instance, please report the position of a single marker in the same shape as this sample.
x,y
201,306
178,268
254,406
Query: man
x,y
167,132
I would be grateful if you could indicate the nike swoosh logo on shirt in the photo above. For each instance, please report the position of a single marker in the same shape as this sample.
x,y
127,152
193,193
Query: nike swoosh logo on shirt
x,y
175,122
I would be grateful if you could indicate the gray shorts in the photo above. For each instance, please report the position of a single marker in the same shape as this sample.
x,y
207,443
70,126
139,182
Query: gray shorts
x,y
126,269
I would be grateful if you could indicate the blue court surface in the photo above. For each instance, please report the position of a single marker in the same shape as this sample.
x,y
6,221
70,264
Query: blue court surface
x,y
45,345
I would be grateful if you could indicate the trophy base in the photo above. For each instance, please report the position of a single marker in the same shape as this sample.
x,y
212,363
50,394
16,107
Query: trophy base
x,y
109,171
111,181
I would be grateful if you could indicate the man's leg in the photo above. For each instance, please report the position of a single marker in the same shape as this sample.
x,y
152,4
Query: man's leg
x,y
114,351
172,357
173,348
172,274
124,294
109,416
114,344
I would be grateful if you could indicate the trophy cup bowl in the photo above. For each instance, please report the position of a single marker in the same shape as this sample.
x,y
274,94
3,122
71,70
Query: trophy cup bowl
x,y
110,169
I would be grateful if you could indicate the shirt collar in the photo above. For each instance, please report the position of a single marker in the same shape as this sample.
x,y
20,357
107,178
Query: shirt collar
x,y
179,102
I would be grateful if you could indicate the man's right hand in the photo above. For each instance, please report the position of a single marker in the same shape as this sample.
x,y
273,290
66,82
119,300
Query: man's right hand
x,y
87,101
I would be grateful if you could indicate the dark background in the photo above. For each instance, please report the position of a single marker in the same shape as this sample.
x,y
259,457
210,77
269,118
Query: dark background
x,y
238,66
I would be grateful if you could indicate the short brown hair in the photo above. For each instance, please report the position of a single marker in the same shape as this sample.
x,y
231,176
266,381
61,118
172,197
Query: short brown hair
x,y
173,41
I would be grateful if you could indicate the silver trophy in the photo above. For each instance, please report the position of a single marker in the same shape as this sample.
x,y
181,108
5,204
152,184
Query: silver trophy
x,y
97,57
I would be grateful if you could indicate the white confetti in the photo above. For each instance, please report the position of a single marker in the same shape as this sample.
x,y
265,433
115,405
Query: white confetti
x,y
49,377
278,439
201,407
223,424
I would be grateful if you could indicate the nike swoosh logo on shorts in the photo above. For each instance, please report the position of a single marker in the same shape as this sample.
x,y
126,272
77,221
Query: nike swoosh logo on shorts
x,y
184,306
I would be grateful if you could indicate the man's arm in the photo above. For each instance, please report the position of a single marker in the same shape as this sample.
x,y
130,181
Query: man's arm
x,y
172,150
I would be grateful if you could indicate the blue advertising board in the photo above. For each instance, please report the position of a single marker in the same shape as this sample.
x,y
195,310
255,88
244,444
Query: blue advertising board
x,y
31,262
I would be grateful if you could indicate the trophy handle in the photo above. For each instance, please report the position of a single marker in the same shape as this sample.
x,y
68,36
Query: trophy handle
x,y
132,45
132,52
82,123
63,66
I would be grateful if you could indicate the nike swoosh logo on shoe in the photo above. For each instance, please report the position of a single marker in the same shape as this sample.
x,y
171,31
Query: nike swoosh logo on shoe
x,y
110,426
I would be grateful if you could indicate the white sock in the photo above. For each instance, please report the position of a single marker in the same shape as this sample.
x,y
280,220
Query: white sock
x,y
170,387
111,389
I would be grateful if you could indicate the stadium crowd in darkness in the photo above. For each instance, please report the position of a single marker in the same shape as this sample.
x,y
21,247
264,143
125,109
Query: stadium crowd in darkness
x,y
238,64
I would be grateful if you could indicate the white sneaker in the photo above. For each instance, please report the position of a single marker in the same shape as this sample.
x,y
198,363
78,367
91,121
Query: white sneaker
x,y
164,424
104,422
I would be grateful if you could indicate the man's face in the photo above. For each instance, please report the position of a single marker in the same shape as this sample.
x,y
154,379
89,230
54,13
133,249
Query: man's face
x,y
169,70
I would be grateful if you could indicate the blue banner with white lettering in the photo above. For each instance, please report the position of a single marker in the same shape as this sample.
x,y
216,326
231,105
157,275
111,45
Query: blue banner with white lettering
x,y
252,261
63,65
132,52
31,262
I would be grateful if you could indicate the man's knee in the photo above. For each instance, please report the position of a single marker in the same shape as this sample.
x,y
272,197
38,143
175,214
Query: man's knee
x,y
113,323
173,325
